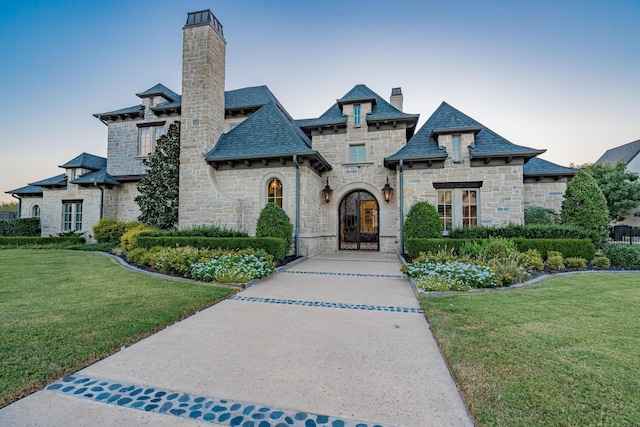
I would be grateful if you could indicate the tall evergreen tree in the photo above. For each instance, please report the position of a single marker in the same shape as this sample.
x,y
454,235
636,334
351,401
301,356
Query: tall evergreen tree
x,y
158,199
584,206
620,187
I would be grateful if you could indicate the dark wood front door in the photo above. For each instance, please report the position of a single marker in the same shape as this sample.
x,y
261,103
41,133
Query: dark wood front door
x,y
359,222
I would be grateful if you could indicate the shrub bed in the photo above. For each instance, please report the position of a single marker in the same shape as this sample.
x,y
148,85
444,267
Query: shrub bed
x,y
109,230
274,246
581,248
198,231
20,227
625,256
533,231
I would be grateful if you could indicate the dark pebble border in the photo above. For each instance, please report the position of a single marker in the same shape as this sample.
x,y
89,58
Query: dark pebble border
x,y
324,304
200,408
388,276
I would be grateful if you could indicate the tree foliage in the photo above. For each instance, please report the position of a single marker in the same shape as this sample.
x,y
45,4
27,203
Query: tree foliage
x,y
423,221
540,215
158,199
274,222
620,187
585,206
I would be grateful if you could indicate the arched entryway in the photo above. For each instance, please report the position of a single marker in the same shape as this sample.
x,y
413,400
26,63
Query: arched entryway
x,y
359,222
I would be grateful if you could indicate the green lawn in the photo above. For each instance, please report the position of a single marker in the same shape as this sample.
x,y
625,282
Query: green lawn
x,y
62,310
562,353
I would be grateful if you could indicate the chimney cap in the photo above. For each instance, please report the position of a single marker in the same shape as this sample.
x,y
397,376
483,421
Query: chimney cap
x,y
204,17
396,91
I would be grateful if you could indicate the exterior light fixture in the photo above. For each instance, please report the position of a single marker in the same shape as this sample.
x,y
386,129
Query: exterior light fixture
x,y
327,192
387,191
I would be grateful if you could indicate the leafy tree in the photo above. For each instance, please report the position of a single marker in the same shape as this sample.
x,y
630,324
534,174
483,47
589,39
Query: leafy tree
x,y
8,206
274,222
620,187
423,221
158,199
585,206
540,215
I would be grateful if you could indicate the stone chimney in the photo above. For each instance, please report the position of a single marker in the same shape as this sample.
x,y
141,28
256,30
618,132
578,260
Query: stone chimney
x,y
202,116
396,98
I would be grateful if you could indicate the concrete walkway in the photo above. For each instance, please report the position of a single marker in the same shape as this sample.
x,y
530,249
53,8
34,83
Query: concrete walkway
x,y
337,340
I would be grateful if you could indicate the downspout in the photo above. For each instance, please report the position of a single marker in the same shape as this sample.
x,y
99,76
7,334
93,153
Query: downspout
x,y
101,198
401,201
19,204
297,231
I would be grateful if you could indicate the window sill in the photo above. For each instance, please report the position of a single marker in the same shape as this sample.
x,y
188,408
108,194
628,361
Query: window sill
x,y
357,164
141,157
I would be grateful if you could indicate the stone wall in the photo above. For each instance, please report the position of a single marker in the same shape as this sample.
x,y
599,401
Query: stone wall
x,y
27,204
547,195
52,210
119,202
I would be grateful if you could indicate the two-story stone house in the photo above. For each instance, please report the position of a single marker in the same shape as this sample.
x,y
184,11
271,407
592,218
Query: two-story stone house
x,y
346,178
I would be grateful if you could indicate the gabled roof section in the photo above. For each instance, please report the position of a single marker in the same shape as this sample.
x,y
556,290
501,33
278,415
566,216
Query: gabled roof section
x,y
159,90
626,152
446,119
86,161
267,134
29,190
381,111
540,167
133,112
170,107
248,97
99,177
54,181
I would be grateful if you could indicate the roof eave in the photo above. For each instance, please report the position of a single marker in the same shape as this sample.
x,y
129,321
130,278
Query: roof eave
x,y
526,154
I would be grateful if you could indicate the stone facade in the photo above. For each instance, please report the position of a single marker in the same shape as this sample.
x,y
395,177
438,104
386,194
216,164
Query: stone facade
x,y
547,194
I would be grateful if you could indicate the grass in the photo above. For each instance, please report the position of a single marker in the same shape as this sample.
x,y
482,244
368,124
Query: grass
x,y
564,352
62,310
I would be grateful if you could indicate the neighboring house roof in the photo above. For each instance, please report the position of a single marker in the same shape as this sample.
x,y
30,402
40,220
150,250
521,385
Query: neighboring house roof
x,y
446,119
540,167
86,161
96,178
626,152
54,181
381,110
159,90
267,133
29,190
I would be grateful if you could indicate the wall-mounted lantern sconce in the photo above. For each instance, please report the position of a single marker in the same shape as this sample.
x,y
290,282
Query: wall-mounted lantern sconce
x,y
327,192
387,191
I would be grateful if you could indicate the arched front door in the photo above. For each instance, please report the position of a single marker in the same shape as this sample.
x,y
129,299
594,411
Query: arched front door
x,y
359,222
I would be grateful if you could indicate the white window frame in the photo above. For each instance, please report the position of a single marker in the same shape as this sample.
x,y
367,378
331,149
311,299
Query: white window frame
x,y
71,216
358,158
357,113
459,216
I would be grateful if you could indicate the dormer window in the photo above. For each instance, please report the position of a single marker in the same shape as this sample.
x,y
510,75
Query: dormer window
x,y
456,148
356,114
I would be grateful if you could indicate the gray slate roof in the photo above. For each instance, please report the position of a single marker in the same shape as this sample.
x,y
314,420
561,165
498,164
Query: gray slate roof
x,y
29,190
86,161
424,144
266,133
538,166
54,181
96,177
248,97
160,90
133,110
360,93
626,152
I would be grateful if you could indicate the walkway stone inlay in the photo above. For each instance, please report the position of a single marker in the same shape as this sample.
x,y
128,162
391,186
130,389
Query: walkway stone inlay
x,y
201,408
356,260
388,276
325,304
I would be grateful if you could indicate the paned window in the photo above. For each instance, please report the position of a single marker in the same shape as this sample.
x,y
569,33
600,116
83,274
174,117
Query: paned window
x,y
356,114
35,211
144,147
71,216
357,153
158,131
274,192
469,208
445,208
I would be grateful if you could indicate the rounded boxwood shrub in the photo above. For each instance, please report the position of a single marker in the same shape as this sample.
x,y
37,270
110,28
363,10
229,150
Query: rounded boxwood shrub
x,y
555,262
576,262
274,222
602,262
423,221
109,230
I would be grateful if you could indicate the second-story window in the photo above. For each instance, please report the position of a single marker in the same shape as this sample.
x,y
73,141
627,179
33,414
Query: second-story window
x,y
456,148
357,153
144,146
356,114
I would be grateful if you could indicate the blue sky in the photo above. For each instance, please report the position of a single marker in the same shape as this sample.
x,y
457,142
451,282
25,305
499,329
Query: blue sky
x,y
545,74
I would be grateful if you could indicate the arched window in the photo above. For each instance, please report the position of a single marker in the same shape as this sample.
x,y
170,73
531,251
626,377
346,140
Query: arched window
x,y
35,211
274,192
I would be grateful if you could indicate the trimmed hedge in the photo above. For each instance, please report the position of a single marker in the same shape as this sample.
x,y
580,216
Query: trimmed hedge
x,y
580,248
272,245
511,231
37,240
622,255
198,231
20,227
